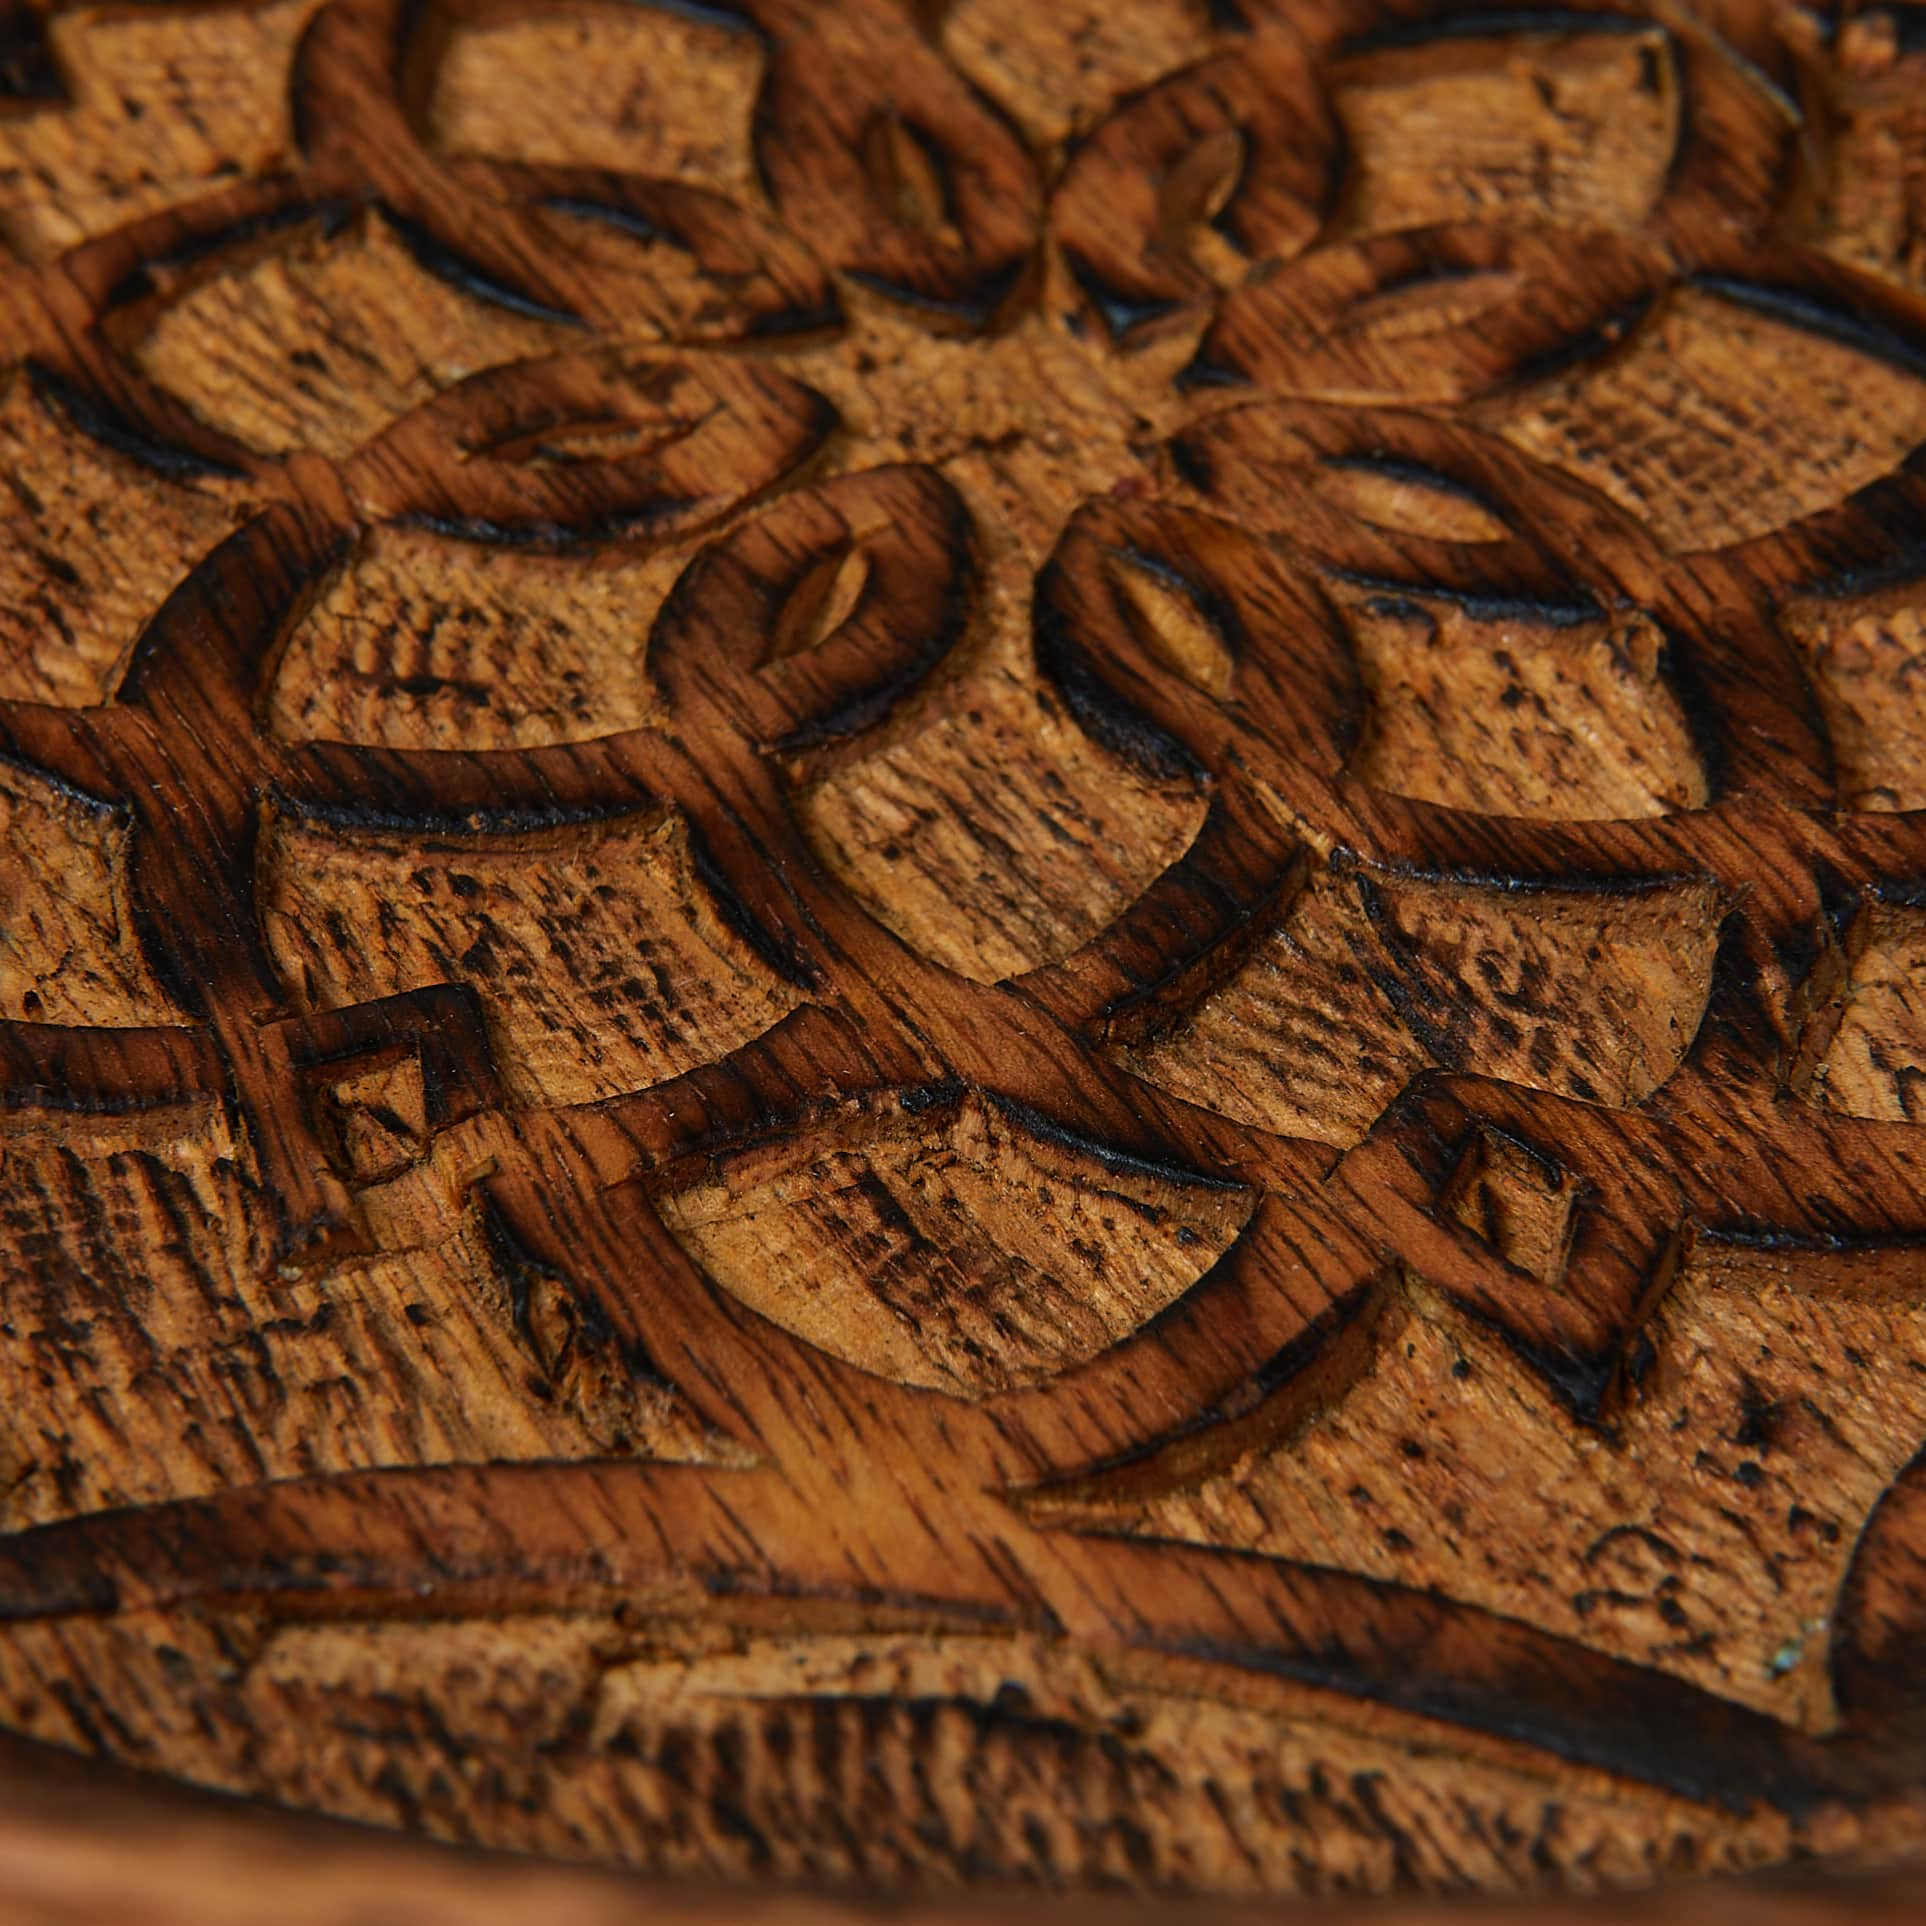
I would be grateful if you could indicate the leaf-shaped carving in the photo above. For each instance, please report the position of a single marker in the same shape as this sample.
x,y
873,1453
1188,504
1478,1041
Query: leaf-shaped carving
x,y
823,599
1187,184
634,443
1147,611
1195,189
1172,619
1404,497
897,171
969,1247
1429,305
665,260
1344,323
910,177
815,620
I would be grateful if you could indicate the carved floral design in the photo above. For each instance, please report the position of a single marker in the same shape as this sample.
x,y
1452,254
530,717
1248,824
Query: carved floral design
x,y
522,758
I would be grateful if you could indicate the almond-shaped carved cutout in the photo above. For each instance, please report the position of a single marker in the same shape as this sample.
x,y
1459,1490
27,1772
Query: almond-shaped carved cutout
x,y
1436,304
602,437
1196,187
1172,617
821,602
1407,499
910,176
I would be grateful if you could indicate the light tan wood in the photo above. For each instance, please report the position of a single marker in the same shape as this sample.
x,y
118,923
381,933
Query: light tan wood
x,y
949,947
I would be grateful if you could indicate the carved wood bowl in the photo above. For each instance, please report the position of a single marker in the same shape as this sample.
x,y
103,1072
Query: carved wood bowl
x,y
951,945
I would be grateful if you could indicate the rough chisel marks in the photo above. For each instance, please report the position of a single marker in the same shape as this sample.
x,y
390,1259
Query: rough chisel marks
x,y
964,1250
967,941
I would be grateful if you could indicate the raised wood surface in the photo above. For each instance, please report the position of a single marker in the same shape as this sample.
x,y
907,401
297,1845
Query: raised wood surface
x,y
978,944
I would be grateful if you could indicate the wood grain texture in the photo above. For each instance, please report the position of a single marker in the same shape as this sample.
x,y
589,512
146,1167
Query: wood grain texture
x,y
105,1844
956,947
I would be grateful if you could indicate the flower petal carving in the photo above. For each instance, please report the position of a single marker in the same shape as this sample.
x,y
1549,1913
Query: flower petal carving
x,y
961,1244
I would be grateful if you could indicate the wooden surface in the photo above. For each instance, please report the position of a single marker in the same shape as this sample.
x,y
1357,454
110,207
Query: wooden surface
x,y
965,945
93,1846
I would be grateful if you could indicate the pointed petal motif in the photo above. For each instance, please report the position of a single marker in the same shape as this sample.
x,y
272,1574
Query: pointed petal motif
x,y
903,176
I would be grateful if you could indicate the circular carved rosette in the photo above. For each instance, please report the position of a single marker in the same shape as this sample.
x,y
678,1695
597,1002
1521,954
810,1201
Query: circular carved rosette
x,y
942,941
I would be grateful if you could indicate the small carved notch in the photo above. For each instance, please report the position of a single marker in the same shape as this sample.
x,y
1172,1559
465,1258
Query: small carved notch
x,y
911,177
1407,497
379,1118
1516,1200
